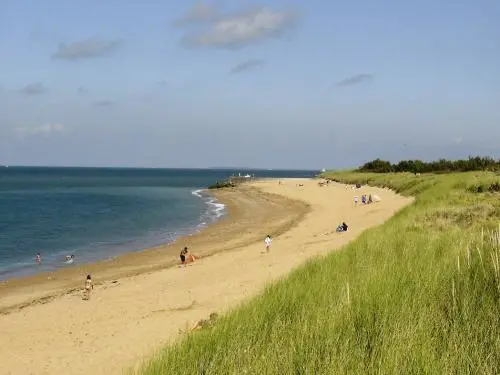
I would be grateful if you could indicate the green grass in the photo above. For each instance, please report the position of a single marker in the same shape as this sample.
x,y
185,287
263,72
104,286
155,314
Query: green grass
x,y
417,295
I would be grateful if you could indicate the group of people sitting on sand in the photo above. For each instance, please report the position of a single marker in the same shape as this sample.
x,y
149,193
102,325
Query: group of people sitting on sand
x,y
186,257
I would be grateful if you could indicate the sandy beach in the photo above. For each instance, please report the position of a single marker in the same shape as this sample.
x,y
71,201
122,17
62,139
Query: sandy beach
x,y
142,300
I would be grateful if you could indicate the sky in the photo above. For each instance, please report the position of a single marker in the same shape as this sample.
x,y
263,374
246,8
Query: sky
x,y
272,84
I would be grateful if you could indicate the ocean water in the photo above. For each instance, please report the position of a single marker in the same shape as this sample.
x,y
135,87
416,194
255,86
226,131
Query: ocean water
x,y
98,213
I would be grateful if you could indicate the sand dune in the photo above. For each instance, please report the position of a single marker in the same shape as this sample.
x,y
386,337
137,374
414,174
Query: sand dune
x,y
141,304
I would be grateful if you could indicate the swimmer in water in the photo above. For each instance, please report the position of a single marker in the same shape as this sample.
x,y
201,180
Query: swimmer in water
x,y
38,258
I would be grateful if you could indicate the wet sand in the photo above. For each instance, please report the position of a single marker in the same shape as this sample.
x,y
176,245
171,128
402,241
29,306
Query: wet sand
x,y
143,299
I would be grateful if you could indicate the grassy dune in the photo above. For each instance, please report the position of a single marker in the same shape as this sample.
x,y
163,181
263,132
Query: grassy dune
x,y
420,294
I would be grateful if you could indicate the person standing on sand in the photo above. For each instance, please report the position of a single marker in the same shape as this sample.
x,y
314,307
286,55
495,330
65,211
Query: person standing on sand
x,y
89,286
183,255
268,241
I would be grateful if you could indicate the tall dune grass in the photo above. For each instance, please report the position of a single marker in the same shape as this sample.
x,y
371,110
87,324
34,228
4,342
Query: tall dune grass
x,y
418,295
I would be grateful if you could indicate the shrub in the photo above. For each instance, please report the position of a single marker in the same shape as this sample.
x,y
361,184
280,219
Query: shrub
x,y
440,166
221,185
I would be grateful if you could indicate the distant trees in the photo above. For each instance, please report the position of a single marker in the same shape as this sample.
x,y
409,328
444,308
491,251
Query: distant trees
x,y
475,163
377,165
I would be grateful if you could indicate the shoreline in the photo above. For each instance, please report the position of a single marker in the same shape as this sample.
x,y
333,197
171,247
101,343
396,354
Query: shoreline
x,y
212,207
131,318
20,292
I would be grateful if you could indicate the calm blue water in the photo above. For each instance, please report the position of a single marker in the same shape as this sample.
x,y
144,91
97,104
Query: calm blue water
x,y
97,213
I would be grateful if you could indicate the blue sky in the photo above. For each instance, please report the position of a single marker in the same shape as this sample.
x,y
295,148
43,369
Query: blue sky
x,y
270,84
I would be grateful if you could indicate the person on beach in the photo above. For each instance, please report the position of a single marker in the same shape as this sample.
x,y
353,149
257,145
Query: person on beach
x,y
356,200
190,258
186,257
268,241
342,227
183,256
88,288
38,258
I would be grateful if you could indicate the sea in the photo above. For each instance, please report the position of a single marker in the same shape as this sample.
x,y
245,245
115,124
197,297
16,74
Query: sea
x,y
99,213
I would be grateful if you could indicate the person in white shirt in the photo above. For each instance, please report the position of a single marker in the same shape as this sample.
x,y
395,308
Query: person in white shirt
x,y
268,242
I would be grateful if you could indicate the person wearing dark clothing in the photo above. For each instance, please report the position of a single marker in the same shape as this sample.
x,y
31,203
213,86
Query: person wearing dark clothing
x,y
183,255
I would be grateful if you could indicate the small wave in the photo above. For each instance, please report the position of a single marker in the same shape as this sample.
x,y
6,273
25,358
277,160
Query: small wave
x,y
197,193
219,208
215,209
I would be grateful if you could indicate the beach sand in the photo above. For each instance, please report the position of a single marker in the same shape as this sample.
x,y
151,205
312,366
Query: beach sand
x,y
142,300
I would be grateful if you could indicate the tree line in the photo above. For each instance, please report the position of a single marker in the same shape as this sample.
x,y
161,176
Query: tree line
x,y
475,163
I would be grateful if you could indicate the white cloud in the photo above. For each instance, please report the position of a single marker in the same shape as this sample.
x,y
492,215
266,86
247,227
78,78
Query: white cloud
x,y
46,129
458,140
243,28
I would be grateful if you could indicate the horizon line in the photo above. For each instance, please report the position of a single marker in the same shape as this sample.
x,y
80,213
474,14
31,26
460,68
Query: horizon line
x,y
130,167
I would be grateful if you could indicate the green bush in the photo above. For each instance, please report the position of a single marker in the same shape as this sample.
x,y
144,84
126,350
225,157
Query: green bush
x,y
440,166
491,188
222,184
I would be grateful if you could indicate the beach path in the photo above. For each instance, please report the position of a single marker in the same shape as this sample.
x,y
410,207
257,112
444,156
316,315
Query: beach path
x,y
127,320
